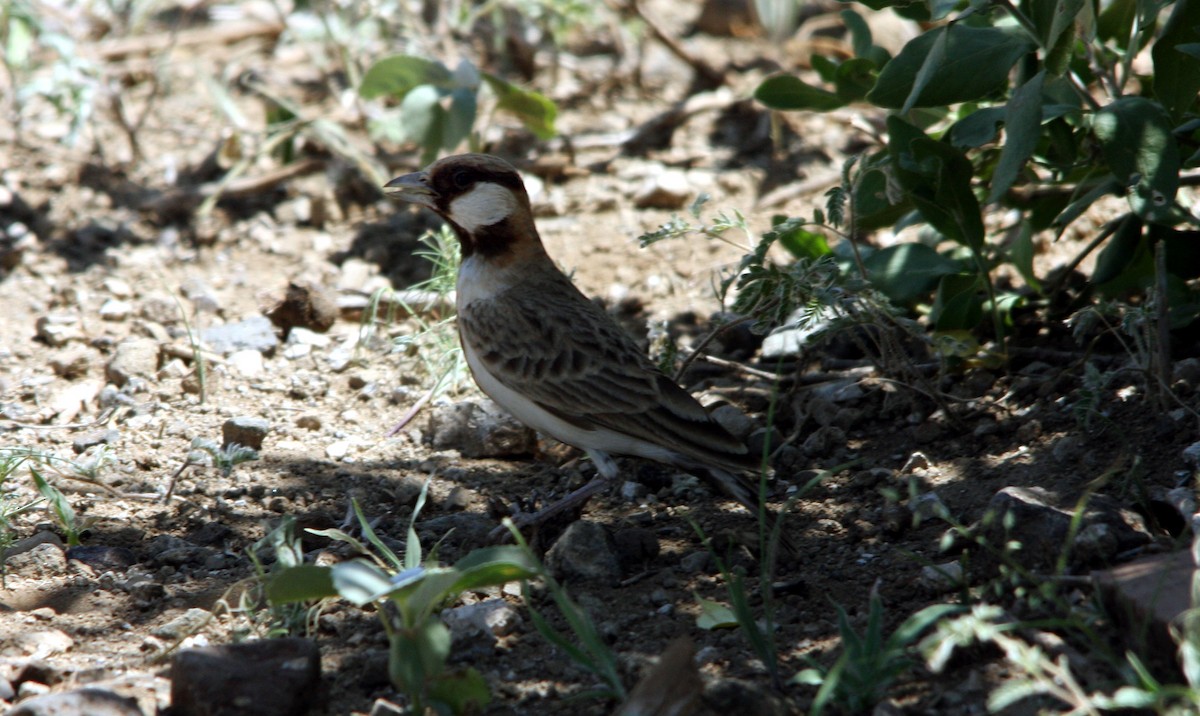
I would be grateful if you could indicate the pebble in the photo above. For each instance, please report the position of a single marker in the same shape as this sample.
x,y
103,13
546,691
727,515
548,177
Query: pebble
x,y
58,329
115,309
254,333
133,358
669,189
183,625
246,431
94,438
479,428
494,617
247,363
103,557
306,306
43,560
585,551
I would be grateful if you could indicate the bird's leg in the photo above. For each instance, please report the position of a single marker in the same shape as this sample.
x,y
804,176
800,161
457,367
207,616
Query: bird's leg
x,y
607,471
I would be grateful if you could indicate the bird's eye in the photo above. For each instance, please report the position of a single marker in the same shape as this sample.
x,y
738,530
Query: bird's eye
x,y
462,179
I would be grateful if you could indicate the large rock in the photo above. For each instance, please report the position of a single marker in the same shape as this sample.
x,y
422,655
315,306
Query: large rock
x,y
1040,521
273,677
479,428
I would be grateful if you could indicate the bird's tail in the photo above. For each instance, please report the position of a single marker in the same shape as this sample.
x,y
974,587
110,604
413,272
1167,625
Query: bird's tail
x,y
745,492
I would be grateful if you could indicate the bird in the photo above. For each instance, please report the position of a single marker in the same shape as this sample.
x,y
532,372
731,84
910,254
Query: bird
x,y
560,364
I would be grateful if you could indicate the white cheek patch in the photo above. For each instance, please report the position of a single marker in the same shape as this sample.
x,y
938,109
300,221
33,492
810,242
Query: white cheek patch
x,y
486,204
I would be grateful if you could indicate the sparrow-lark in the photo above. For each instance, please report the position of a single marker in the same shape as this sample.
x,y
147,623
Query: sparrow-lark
x,y
553,358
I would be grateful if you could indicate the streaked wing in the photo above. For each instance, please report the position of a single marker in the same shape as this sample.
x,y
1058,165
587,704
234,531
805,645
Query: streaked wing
x,y
573,360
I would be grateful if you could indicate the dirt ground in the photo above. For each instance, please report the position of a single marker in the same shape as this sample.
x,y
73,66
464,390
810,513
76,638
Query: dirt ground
x,y
118,251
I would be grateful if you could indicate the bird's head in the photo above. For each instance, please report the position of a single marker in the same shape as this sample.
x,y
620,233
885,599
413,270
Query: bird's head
x,y
482,198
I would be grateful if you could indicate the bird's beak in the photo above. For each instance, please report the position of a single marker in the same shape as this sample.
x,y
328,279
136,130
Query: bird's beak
x,y
411,187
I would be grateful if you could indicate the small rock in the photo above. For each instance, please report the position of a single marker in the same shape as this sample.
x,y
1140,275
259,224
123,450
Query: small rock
x,y
479,428
305,385
1040,521
103,557
631,490
636,545
272,677
116,310
134,358
43,560
305,305
254,333
186,624
71,363
305,337
117,288
246,431
89,701
668,190
58,329
1191,455
585,551
94,438
928,506
942,578
40,643
246,363
459,499
916,461
733,420
494,617
1148,598
695,562
309,421
337,450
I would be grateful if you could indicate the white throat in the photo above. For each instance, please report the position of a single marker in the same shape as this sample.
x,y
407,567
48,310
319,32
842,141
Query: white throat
x,y
487,203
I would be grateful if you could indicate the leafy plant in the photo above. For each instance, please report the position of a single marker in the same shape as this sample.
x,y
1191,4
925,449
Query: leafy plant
x,y
1079,124
588,650
438,106
408,592
870,661
59,507
223,458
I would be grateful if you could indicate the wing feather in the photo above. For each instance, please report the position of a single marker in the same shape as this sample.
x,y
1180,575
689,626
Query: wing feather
x,y
577,363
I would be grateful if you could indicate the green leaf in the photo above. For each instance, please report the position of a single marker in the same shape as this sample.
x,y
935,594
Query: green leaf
x,y
854,79
977,128
873,201
396,76
302,583
1021,252
790,92
464,692
804,244
905,272
938,179
1135,137
494,566
360,582
1022,130
536,112
417,655
973,62
59,504
958,304
423,119
1118,253
460,118
714,615
1176,73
